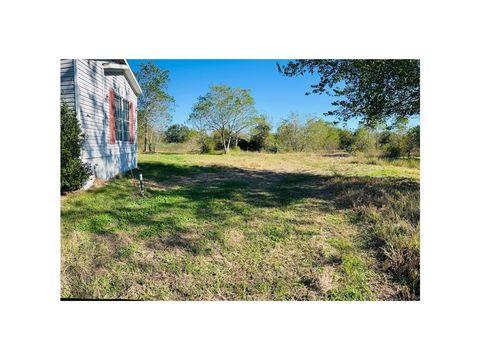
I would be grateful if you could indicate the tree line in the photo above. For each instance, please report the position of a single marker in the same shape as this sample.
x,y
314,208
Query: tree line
x,y
381,94
310,134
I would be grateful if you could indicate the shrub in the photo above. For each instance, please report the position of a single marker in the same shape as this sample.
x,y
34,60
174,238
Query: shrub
x,y
345,139
363,140
178,134
261,134
273,148
413,141
244,144
401,143
393,151
73,172
206,143
395,146
291,134
321,136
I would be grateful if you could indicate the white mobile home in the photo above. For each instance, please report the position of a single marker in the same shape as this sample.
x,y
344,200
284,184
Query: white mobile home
x,y
104,95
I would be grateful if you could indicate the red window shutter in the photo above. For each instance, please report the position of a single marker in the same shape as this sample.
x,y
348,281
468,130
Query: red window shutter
x,y
132,123
111,115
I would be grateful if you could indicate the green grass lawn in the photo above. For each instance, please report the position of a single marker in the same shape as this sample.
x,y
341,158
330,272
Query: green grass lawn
x,y
246,226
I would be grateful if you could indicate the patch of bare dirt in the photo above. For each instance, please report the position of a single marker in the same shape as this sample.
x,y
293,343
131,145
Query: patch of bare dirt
x,y
180,240
235,237
338,155
260,177
321,282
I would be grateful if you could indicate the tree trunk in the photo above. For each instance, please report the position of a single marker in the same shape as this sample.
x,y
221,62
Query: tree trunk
x,y
150,143
228,145
145,141
222,134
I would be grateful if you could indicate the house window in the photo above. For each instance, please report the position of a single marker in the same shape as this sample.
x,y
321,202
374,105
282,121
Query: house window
x,y
122,119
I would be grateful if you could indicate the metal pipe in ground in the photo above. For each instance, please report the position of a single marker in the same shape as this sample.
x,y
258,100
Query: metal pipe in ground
x,y
142,188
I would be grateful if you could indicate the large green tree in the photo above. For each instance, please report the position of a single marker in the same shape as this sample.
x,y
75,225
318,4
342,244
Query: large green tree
x,y
225,110
154,104
373,91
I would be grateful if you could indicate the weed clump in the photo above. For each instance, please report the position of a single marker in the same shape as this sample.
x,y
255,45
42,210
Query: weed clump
x,y
389,213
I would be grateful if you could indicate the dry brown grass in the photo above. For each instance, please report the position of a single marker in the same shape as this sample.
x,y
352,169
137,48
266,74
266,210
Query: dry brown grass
x,y
313,163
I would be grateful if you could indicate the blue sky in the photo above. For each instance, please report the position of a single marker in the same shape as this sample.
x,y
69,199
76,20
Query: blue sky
x,y
275,95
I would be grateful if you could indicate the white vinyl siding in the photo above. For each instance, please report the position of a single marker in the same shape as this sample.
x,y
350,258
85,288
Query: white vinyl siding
x,y
67,82
93,85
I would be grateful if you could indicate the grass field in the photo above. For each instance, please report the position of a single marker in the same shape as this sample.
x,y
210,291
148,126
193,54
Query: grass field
x,y
247,226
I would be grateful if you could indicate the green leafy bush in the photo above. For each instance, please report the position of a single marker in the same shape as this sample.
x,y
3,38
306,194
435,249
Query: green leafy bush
x,y
394,151
363,140
178,134
401,143
345,139
207,144
260,135
73,172
321,135
413,141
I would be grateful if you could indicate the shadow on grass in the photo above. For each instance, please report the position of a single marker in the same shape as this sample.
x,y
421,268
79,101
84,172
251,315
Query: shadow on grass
x,y
185,206
203,193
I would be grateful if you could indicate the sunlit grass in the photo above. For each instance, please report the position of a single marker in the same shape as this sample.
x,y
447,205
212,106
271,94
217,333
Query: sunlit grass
x,y
246,226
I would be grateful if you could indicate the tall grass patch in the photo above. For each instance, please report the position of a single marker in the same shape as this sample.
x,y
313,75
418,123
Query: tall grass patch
x,y
388,212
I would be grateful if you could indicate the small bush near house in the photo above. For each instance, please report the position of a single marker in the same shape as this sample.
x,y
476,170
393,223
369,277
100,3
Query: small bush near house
x,y
73,171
